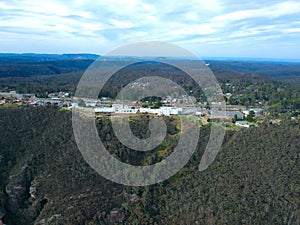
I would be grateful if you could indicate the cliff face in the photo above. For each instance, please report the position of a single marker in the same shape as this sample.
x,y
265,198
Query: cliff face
x,y
2,211
23,200
17,189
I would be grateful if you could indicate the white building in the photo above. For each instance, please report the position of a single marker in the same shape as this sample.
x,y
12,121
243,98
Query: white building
x,y
120,108
104,110
90,103
243,124
167,111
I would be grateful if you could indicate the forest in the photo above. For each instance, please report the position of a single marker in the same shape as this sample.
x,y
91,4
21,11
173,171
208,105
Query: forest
x,y
45,180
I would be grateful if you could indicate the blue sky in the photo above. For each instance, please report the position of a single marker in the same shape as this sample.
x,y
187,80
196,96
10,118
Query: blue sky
x,y
209,28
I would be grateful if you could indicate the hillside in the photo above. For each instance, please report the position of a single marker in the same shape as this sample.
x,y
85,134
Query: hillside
x,y
30,65
245,88
288,72
45,180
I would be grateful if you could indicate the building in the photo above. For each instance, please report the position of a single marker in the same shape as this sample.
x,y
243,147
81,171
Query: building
x,y
200,112
90,103
167,111
255,110
231,115
243,124
104,110
120,108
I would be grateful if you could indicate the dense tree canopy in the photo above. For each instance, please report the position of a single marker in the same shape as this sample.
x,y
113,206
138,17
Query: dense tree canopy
x,y
254,179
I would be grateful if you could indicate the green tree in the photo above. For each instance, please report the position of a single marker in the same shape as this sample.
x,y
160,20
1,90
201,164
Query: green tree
x,y
251,115
157,105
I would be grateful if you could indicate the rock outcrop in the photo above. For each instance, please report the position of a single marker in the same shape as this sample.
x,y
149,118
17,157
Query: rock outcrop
x,y
2,211
23,196
18,189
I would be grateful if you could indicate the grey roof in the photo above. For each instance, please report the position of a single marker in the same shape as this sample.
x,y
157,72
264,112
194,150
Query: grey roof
x,y
231,114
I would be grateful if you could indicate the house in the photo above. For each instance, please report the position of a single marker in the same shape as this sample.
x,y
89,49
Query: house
x,y
231,115
200,112
90,103
3,101
38,102
243,124
255,110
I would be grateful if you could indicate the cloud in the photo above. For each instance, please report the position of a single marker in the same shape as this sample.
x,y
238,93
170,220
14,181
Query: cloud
x,y
114,22
274,11
121,24
291,30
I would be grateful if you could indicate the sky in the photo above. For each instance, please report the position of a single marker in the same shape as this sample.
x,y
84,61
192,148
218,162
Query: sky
x,y
208,28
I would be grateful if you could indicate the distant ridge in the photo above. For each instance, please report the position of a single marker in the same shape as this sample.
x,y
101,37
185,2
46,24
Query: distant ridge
x,y
74,56
32,64
285,71
247,59
47,57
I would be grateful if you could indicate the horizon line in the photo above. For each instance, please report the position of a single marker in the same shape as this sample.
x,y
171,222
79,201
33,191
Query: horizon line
x,y
217,58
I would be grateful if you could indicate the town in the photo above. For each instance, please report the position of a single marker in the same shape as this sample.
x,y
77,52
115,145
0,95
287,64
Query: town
x,y
237,115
